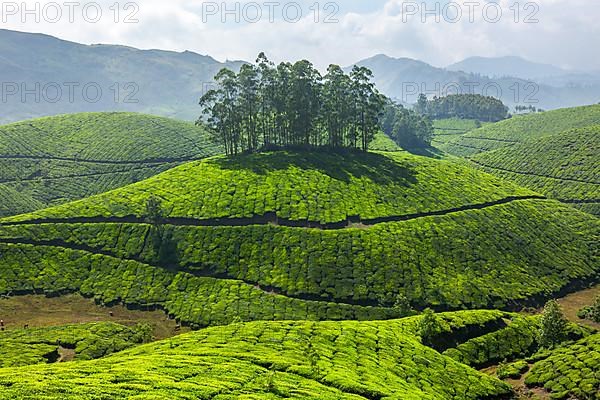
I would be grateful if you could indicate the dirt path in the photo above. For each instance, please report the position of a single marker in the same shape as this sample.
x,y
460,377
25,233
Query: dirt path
x,y
572,303
40,311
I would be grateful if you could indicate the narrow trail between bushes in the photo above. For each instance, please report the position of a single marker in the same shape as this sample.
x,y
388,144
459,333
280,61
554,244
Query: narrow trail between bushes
x,y
192,270
273,219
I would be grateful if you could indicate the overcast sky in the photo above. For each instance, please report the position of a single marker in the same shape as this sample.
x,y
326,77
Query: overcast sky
x,y
560,32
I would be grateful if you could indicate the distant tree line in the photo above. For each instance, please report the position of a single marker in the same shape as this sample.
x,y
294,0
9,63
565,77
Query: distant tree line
x,y
464,106
407,128
268,106
527,109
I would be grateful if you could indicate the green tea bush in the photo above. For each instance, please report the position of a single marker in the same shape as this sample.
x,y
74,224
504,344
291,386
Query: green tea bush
x,y
20,347
571,371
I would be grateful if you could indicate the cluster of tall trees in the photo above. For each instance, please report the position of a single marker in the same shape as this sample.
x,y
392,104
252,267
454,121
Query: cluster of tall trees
x,y
407,128
464,106
268,106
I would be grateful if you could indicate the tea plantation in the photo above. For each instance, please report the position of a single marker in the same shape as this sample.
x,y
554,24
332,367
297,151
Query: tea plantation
x,y
481,243
320,187
563,166
572,371
276,360
54,160
523,128
88,341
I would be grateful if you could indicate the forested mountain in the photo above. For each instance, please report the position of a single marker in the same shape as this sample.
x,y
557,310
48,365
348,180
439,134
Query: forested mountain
x,y
64,77
170,84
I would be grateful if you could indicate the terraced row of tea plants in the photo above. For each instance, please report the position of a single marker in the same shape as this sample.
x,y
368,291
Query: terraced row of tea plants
x,y
478,258
276,360
521,129
194,300
58,159
86,341
563,166
323,187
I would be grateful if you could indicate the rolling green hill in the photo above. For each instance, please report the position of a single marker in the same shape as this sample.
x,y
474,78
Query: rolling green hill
x,y
274,360
324,360
522,129
563,166
447,130
554,153
295,236
58,159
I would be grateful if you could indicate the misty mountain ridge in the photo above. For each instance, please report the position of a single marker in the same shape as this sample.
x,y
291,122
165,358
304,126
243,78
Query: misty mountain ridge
x,y
44,75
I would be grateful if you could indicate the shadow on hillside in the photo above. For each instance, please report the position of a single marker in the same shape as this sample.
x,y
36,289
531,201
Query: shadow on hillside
x,y
342,165
430,152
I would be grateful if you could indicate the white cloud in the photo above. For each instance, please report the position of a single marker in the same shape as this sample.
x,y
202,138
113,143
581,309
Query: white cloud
x,y
565,35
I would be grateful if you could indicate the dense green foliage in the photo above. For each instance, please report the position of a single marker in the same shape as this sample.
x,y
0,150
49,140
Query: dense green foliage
x,y
553,325
513,370
571,370
562,166
517,338
591,312
195,300
272,360
523,128
316,186
58,159
463,106
89,341
382,142
406,127
292,105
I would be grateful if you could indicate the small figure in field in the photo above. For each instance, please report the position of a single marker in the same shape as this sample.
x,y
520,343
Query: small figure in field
x,y
177,327
112,314
26,326
1,325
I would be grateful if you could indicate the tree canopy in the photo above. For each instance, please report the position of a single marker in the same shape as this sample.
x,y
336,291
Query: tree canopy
x,y
464,106
407,128
268,106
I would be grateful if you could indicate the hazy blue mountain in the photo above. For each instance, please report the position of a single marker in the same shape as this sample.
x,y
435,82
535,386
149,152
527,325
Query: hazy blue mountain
x,y
167,83
170,83
507,66
401,77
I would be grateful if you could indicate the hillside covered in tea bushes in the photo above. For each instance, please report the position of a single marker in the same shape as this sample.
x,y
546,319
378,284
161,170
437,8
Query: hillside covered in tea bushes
x,y
563,166
275,360
541,152
394,359
58,159
295,236
522,128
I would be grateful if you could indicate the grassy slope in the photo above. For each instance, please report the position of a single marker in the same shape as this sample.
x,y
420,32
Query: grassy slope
x,y
273,360
58,159
471,258
563,166
447,130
